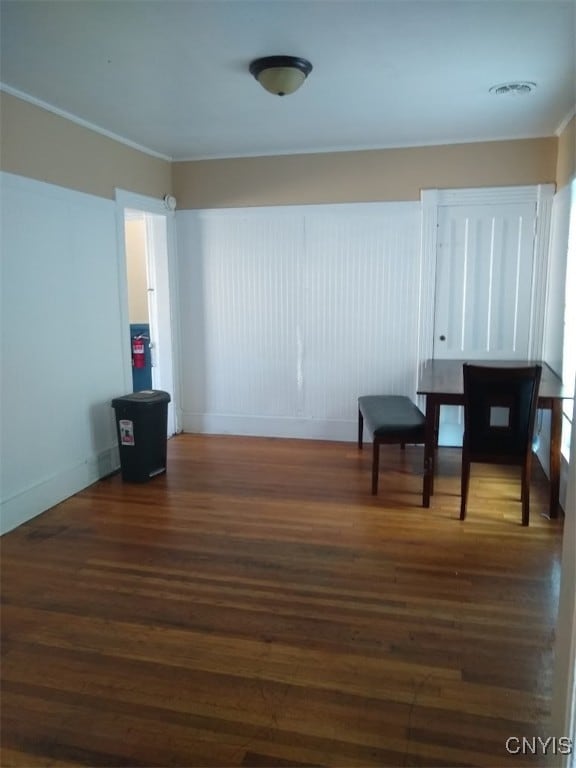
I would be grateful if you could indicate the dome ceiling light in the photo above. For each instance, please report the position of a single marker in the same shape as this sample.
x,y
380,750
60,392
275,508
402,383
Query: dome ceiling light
x,y
280,75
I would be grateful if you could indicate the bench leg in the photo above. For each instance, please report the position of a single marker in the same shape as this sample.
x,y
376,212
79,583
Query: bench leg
x,y
360,429
375,466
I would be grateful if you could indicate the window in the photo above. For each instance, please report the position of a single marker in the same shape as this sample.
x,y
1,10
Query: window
x,y
569,350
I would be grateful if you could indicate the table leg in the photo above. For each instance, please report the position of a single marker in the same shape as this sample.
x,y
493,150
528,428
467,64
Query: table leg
x,y
436,437
429,449
555,456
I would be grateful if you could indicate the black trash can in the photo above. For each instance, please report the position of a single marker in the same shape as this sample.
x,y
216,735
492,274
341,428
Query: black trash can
x,y
141,425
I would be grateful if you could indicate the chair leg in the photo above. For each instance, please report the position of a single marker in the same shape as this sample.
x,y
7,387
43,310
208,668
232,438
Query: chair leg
x,y
526,509
465,483
526,471
360,429
424,480
375,466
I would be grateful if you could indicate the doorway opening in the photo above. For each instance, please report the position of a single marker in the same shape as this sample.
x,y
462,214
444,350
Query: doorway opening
x,y
146,240
139,300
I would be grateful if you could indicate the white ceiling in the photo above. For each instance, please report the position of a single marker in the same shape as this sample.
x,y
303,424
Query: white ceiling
x,y
172,76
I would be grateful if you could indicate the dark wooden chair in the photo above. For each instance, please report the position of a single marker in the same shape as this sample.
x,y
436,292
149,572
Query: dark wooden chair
x,y
392,420
499,413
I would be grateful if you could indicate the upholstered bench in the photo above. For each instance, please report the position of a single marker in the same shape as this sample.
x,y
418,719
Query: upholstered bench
x,y
392,420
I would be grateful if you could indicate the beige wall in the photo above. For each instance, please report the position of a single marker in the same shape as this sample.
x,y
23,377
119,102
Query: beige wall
x,y
41,145
566,165
372,175
135,238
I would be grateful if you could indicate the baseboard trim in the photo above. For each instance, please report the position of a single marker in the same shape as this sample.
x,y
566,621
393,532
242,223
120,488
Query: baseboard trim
x,y
38,498
338,430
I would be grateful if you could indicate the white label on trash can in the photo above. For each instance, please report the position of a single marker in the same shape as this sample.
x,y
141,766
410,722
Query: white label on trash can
x,y
126,432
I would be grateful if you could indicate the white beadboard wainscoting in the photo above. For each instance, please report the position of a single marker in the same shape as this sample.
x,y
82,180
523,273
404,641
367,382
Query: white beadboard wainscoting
x,y
289,314
284,316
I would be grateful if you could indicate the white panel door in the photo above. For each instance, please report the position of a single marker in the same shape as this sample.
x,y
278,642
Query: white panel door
x,y
484,274
484,281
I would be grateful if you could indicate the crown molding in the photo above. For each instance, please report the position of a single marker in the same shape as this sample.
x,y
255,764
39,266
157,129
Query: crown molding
x,y
565,121
79,121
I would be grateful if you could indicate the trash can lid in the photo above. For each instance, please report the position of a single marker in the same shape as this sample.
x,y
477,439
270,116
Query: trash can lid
x,y
143,398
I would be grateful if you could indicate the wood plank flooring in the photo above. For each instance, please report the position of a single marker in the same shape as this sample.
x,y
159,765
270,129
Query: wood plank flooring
x,y
256,606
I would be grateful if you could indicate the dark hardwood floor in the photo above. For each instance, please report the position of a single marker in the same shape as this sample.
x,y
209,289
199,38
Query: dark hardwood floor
x,y
256,606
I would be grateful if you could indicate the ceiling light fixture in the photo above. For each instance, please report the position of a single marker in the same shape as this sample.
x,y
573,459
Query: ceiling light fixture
x,y
520,88
280,74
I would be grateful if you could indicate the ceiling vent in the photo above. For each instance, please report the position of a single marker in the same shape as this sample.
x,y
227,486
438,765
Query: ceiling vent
x,y
514,89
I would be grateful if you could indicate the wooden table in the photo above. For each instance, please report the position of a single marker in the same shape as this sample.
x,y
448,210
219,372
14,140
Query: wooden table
x,y
442,383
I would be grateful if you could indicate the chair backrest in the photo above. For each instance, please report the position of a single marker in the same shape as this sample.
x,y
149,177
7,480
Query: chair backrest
x,y
499,411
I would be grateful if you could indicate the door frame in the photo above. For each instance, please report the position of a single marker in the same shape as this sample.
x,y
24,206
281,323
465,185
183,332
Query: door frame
x,y
131,200
431,200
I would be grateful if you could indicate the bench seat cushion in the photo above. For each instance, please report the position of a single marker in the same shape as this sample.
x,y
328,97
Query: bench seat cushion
x,y
393,418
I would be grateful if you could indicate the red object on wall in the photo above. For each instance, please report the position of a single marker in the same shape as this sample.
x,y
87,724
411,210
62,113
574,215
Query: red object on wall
x,y
138,352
